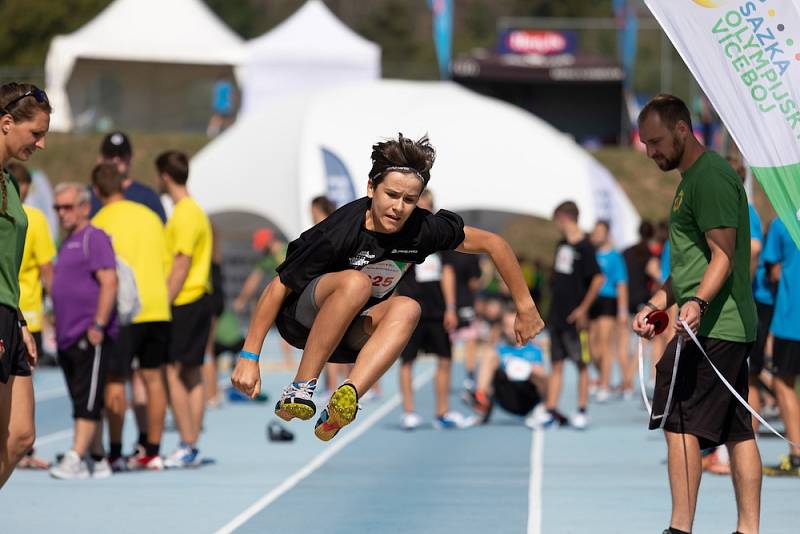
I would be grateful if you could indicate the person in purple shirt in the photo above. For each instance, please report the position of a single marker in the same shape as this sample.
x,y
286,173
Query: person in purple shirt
x,y
84,293
116,148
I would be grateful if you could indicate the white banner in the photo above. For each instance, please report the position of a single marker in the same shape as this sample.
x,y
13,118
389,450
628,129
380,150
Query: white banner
x,y
746,57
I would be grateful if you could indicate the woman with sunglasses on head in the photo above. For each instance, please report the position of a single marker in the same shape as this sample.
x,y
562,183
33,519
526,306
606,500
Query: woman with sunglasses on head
x,y
24,121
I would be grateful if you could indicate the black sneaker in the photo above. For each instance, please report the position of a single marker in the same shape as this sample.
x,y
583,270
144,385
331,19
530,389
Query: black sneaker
x,y
275,432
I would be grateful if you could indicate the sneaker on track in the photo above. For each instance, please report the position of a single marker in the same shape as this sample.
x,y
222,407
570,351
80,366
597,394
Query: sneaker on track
x,y
183,456
71,467
786,468
410,421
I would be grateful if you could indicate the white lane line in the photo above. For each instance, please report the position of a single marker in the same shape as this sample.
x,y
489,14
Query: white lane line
x,y
67,433
55,436
49,394
319,460
535,483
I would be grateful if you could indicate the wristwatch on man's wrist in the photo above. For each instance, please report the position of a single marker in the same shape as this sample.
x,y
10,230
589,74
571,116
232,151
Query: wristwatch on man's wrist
x,y
700,302
652,306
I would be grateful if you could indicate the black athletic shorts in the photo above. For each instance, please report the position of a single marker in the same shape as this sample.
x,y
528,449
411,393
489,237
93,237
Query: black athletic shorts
x,y
757,359
429,337
191,326
514,397
785,357
603,307
13,354
84,370
565,344
148,342
297,315
701,404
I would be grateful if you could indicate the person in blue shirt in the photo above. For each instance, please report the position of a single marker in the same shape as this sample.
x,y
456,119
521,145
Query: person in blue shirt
x,y
609,314
511,376
223,107
764,295
116,148
782,260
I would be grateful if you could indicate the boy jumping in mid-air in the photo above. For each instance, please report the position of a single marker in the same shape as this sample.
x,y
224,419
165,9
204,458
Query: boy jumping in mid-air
x,y
333,296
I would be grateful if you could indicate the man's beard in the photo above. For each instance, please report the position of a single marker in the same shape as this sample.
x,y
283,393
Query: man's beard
x,y
668,164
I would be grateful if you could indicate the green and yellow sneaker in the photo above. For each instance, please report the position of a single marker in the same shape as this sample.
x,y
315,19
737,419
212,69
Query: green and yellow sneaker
x,y
789,467
296,401
341,411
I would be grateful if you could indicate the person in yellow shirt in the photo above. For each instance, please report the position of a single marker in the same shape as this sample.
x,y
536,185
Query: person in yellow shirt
x,y
36,272
138,238
189,240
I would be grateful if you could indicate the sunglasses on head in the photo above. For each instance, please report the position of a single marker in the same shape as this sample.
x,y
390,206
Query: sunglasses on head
x,y
35,92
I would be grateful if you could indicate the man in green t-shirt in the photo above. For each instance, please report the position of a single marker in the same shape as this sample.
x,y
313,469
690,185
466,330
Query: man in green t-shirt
x,y
710,282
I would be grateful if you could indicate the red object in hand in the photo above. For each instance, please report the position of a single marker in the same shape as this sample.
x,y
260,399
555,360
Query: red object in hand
x,y
659,319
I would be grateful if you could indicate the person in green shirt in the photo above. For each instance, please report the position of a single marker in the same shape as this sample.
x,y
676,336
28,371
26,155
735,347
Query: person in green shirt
x,y
710,282
24,121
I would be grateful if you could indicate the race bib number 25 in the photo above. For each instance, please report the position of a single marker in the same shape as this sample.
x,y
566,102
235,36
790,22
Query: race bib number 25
x,y
384,275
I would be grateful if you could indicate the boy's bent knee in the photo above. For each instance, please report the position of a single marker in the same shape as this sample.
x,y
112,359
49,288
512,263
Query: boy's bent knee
x,y
356,284
407,308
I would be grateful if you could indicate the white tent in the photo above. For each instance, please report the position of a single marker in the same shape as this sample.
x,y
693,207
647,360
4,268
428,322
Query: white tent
x,y
312,49
141,64
490,155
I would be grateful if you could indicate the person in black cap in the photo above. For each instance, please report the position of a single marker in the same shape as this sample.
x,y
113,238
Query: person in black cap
x,y
116,148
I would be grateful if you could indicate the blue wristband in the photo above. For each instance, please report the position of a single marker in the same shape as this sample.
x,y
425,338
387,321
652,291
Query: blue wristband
x,y
247,355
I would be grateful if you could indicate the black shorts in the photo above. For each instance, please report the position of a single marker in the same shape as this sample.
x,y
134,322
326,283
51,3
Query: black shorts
x,y
785,357
191,326
701,404
429,337
757,359
297,315
514,397
603,307
84,371
565,344
13,354
148,342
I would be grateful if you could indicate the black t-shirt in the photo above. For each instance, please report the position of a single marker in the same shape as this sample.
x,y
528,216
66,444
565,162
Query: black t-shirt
x,y
573,269
341,242
636,258
466,267
424,284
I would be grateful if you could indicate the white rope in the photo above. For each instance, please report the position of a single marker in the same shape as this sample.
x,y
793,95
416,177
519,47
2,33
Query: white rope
x,y
736,395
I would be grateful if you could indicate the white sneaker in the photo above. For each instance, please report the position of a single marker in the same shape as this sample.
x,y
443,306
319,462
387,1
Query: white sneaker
x,y
627,395
410,421
579,421
71,467
450,420
183,456
540,418
101,469
602,395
